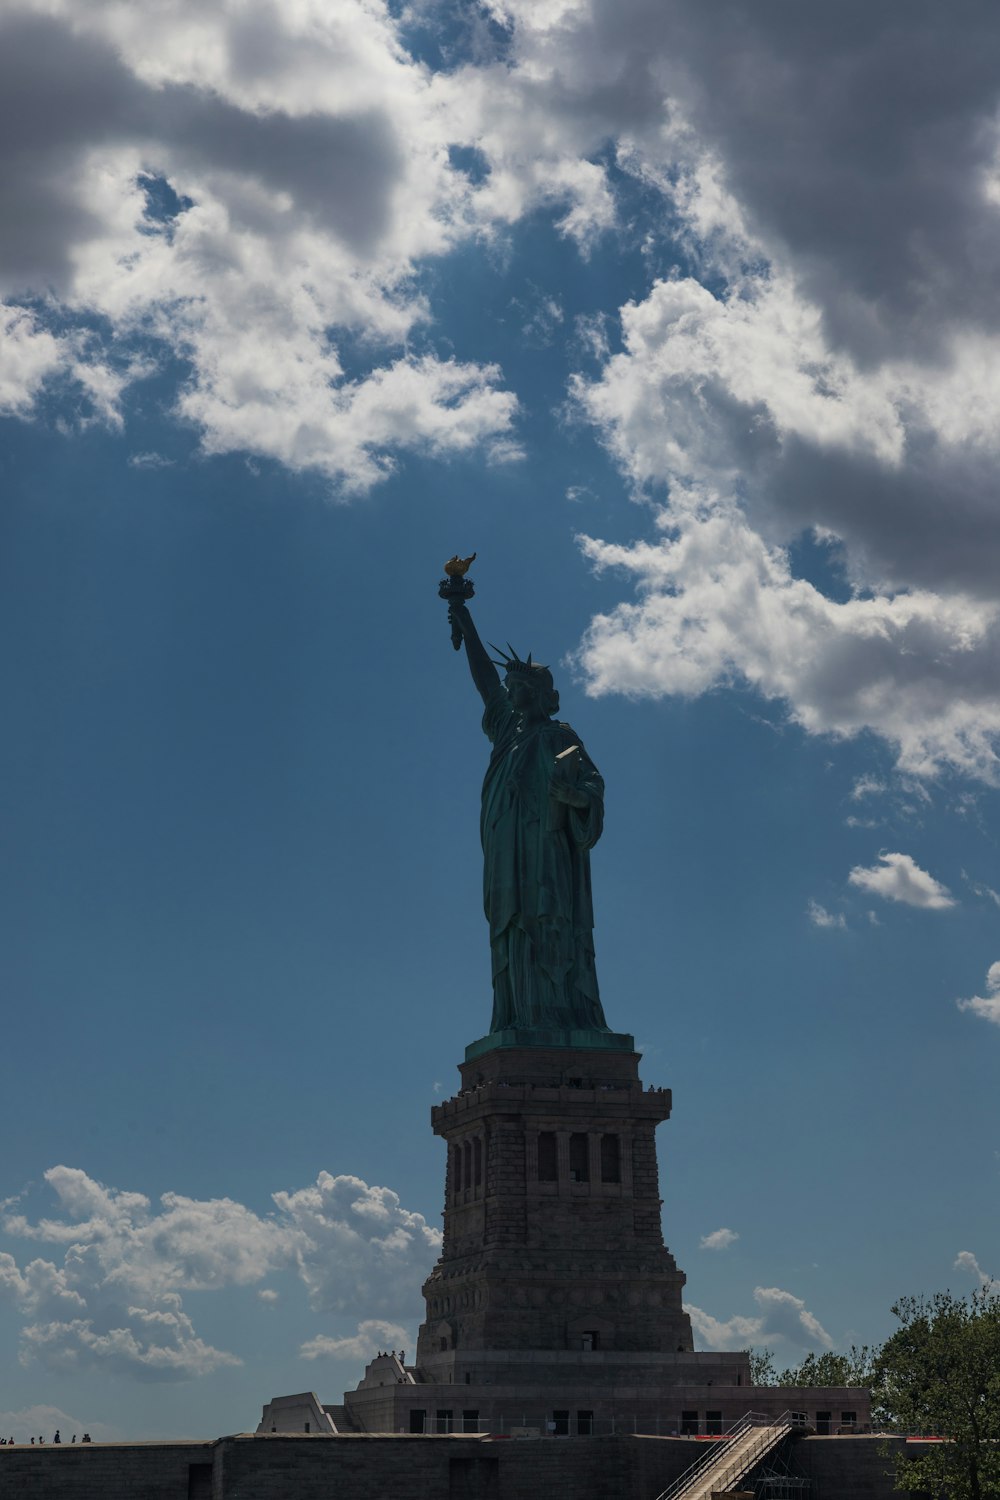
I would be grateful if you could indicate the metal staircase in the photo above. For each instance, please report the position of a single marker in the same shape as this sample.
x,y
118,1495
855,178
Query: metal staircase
x,y
731,1458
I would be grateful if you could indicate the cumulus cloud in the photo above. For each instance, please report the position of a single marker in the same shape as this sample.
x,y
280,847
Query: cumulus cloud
x,y
116,1298
243,189
719,1239
253,191
362,1247
967,1262
794,381
866,786
988,1006
781,1317
820,917
893,238
42,1420
897,877
373,1334
718,606
29,355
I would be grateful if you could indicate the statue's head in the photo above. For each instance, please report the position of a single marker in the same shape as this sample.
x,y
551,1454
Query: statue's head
x,y
529,676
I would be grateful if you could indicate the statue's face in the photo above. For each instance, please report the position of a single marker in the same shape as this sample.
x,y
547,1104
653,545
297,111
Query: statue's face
x,y
520,690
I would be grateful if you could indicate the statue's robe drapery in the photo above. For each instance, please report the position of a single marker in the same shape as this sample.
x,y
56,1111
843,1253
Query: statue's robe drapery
x,y
536,881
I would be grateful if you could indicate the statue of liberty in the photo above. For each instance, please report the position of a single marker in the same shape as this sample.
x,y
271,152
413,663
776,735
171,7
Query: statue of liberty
x,y
542,813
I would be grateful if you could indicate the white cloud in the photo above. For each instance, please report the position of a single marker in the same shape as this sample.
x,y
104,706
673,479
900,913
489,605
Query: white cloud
x,y
717,605
866,786
820,917
720,400
363,1247
540,315
249,190
591,332
984,892
966,1261
782,1317
288,410
268,1294
987,1007
779,402
373,1334
29,355
719,1239
44,1421
257,191
146,1343
115,1300
149,461
897,877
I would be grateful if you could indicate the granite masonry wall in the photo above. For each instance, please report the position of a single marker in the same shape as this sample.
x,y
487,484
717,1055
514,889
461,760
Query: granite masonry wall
x,y
320,1467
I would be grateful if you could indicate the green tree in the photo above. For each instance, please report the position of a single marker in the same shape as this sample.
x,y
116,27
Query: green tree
x,y
940,1373
762,1371
857,1367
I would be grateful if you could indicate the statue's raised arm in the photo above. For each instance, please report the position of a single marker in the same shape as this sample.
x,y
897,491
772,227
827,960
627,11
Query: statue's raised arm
x,y
484,673
542,813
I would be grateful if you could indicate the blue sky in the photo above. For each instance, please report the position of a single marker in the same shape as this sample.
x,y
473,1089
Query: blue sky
x,y
688,327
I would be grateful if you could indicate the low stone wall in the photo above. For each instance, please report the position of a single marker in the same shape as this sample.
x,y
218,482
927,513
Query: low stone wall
x,y
107,1471
358,1467
426,1468
293,1467
855,1468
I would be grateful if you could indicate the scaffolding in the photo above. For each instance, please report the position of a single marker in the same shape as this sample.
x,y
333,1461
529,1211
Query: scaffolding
x,y
776,1479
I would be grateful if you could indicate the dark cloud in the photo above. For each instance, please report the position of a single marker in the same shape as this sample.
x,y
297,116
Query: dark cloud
x,y
930,523
62,95
855,136
339,172
59,95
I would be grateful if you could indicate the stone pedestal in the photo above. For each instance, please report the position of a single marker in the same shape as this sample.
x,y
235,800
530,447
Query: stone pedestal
x,y
555,1306
552,1237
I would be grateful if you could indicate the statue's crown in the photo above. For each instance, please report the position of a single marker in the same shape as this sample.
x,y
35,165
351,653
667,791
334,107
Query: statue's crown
x,y
513,662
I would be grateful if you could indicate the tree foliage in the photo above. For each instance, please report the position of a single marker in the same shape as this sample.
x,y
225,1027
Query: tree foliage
x,y
940,1373
856,1367
762,1370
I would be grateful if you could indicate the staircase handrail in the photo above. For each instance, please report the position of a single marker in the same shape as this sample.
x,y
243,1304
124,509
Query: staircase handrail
x,y
735,1462
710,1456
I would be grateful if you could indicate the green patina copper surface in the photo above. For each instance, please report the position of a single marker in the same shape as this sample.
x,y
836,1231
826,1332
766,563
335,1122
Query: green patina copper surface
x,y
542,813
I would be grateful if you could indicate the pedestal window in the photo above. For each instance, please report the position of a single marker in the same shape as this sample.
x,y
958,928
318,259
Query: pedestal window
x,y
548,1157
579,1157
